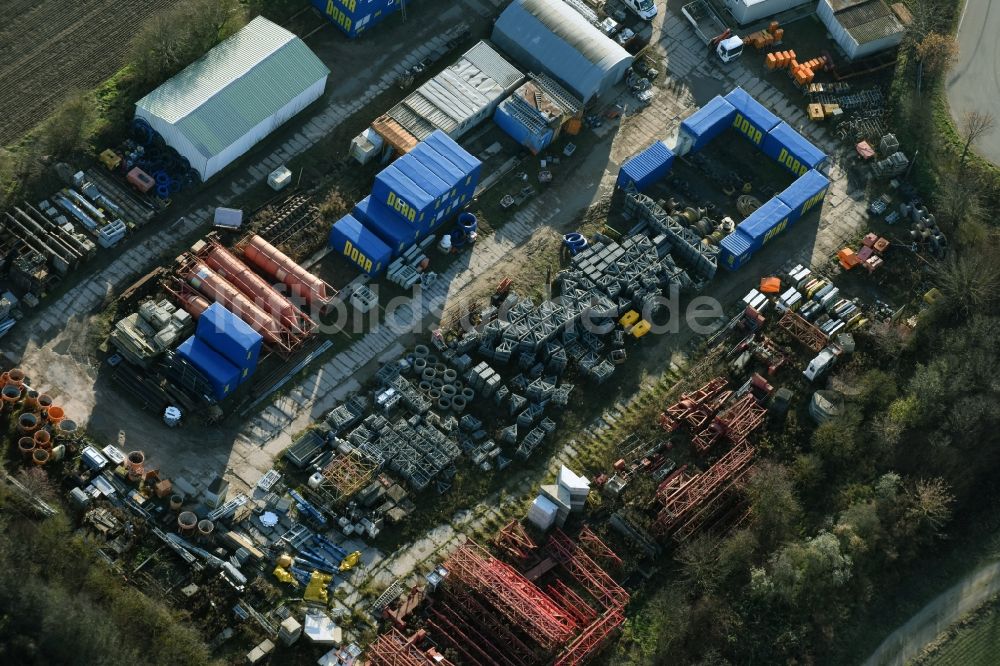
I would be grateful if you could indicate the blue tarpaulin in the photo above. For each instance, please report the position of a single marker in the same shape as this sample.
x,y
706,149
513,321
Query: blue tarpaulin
x,y
791,150
708,122
647,167
805,194
752,119
220,373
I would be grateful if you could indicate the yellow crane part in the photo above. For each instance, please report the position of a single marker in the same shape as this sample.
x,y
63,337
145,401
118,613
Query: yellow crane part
x,y
629,318
284,576
316,589
350,561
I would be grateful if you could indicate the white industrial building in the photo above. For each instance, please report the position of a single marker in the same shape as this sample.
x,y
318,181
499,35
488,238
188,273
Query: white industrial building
x,y
861,27
550,36
748,11
227,101
461,96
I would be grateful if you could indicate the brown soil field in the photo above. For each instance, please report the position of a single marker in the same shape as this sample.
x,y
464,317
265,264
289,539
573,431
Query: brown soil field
x,y
51,48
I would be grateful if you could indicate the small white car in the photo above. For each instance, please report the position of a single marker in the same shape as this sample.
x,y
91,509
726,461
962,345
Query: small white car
x,y
646,9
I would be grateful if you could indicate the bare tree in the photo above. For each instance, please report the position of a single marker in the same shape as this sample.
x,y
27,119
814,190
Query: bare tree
x,y
936,53
974,126
930,504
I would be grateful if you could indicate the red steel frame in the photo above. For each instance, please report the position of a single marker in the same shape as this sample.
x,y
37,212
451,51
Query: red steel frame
x,y
590,641
735,423
572,602
803,331
461,602
586,571
691,405
685,494
394,649
519,600
598,548
514,540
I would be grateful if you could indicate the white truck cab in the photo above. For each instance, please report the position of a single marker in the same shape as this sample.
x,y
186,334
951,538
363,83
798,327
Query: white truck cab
x,y
646,9
729,49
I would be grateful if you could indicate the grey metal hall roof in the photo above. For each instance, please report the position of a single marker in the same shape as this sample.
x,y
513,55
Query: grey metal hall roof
x,y
236,86
551,35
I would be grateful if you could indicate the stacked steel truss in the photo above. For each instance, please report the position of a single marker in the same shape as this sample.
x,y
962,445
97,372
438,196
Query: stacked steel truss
x,y
394,649
690,500
702,258
516,598
592,543
696,407
803,331
734,424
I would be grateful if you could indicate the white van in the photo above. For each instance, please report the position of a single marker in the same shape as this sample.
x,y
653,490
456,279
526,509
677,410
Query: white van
x,y
646,9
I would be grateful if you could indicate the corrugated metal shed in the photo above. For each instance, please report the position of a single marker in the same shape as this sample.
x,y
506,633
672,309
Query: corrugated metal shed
x,y
218,107
748,11
550,36
462,95
861,27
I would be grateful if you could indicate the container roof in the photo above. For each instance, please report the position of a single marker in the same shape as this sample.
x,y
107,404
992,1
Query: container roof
x,y
237,85
562,40
479,78
866,20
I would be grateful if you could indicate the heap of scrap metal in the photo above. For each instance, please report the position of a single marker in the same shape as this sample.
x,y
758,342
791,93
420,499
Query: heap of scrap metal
x,y
702,258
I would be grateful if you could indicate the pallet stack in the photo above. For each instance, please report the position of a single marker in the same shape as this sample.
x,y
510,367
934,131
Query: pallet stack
x,y
764,38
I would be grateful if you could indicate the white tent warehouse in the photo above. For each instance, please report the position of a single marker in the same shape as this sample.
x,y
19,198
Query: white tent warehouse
x,y
228,100
550,36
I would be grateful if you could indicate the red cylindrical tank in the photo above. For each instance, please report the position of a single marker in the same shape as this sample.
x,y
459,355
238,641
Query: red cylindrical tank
x,y
194,303
226,264
300,282
213,285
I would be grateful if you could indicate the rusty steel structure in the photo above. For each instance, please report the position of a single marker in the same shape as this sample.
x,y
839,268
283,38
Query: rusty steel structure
x,y
346,475
697,407
393,648
800,329
474,626
301,283
734,424
689,500
513,540
519,600
597,548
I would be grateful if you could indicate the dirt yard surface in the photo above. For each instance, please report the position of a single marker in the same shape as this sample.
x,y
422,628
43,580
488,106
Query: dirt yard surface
x,y
50,48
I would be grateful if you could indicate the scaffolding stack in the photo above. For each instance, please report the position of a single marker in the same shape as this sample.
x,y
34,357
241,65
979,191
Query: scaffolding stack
x,y
701,258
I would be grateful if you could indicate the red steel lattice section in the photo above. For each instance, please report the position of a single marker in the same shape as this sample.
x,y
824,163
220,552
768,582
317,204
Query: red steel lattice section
x,y
802,330
734,424
586,571
461,602
592,639
592,543
682,495
513,540
394,649
519,600
693,407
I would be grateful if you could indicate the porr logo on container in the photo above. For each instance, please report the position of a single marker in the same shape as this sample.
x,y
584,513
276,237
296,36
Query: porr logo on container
x,y
744,126
796,167
355,255
397,204
775,230
813,201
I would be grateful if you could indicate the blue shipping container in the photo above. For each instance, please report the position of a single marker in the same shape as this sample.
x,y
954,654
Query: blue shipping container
x,y
408,199
442,167
519,121
471,166
647,167
708,122
231,337
805,194
427,179
220,373
735,250
353,17
766,222
360,245
384,223
752,119
791,150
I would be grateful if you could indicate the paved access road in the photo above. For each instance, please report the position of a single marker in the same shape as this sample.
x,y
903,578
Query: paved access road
x,y
974,84
947,608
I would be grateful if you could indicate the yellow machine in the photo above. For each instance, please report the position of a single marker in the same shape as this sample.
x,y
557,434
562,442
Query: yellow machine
x,y
629,318
350,561
640,329
284,576
110,159
316,589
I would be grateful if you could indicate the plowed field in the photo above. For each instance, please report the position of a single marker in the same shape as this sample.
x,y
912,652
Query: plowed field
x,y
49,48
